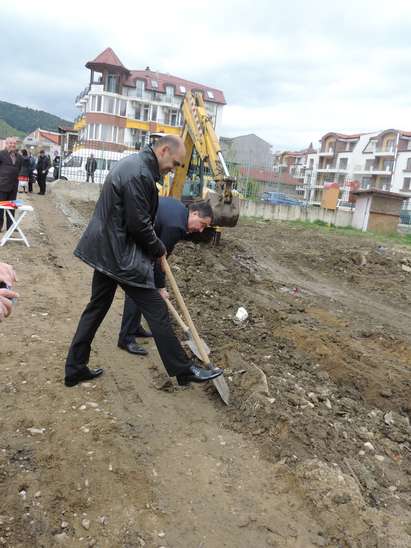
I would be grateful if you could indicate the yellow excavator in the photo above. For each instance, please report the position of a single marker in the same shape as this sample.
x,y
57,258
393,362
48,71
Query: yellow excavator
x,y
204,174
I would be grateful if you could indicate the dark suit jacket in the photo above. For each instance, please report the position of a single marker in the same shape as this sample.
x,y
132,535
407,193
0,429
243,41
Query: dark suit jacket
x,y
9,172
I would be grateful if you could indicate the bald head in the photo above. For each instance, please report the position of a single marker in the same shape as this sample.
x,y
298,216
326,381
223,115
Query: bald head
x,y
11,143
170,152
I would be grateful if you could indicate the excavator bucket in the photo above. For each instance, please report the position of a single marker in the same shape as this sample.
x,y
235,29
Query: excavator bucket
x,y
225,204
225,213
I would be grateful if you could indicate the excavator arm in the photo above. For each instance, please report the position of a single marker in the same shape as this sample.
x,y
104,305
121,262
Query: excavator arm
x,y
199,135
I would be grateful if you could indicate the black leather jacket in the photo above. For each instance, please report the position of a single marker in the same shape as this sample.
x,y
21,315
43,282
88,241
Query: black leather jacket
x,y
9,172
120,240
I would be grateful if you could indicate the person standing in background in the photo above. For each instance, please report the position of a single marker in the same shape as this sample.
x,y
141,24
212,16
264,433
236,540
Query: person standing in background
x,y
56,165
24,171
10,164
43,166
91,166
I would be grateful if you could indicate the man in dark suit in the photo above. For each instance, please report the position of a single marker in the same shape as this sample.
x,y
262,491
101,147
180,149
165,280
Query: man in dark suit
x,y
43,166
174,222
10,164
91,166
120,244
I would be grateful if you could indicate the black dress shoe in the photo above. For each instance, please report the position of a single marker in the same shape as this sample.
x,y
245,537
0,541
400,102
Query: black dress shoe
x,y
143,333
84,374
198,374
133,348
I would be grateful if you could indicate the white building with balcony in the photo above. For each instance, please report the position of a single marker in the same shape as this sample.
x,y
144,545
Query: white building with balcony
x,y
120,108
380,160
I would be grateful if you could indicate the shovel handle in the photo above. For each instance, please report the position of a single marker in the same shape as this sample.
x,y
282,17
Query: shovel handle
x,y
185,311
177,316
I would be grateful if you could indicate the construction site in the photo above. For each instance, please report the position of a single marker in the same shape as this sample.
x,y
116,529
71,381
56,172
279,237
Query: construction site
x,y
302,294
314,447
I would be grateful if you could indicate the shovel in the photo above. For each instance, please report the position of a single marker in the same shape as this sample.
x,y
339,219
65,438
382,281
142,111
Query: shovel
x,y
191,342
220,382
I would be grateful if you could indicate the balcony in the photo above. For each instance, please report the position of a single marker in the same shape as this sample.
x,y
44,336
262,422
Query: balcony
x,y
82,97
327,153
372,170
388,152
332,169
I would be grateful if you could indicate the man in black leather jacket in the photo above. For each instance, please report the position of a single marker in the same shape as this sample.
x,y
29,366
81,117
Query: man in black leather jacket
x,y
121,245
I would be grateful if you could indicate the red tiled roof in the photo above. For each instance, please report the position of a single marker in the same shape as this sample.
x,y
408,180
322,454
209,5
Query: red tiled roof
x,y
167,79
107,57
344,136
50,136
267,176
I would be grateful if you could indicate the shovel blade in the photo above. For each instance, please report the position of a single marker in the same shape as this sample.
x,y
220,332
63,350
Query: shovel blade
x,y
194,348
222,387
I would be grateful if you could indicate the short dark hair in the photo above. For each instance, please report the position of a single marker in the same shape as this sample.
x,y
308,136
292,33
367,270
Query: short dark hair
x,y
204,209
171,141
24,152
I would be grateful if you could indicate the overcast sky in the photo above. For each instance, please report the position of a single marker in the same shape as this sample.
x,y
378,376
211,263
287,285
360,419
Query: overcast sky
x,y
291,71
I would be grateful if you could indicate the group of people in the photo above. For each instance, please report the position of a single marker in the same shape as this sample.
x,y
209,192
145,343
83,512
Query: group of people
x,y
17,171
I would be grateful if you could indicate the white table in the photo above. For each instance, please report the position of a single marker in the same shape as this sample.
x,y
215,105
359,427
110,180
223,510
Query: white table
x,y
20,213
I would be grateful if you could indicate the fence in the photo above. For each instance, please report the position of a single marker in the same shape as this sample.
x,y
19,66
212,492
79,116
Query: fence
x,y
90,161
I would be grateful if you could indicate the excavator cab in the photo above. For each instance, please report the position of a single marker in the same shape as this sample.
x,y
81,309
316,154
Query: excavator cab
x,y
204,174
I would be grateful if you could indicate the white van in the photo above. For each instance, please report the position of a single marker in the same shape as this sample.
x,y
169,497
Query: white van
x,y
74,166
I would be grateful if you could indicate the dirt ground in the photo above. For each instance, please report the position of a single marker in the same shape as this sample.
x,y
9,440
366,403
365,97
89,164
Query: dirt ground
x,y
314,449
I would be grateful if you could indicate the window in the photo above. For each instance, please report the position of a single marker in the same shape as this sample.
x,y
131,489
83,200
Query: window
x,y
366,182
171,117
112,81
169,91
120,136
408,168
388,165
406,184
210,94
101,163
93,103
311,163
154,109
73,161
109,105
389,145
343,163
121,107
183,89
139,88
142,112
98,106
106,132
369,164
154,84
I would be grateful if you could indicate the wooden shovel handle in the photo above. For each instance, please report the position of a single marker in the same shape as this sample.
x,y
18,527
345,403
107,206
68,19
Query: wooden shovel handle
x,y
185,311
177,316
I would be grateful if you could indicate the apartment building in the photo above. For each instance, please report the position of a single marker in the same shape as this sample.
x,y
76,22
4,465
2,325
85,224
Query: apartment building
x,y
291,166
120,108
380,160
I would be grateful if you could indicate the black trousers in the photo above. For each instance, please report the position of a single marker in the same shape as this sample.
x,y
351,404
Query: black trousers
x,y
90,174
151,304
130,323
31,181
10,195
41,179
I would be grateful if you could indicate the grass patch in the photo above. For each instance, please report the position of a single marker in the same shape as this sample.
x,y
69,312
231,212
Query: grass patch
x,y
393,238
